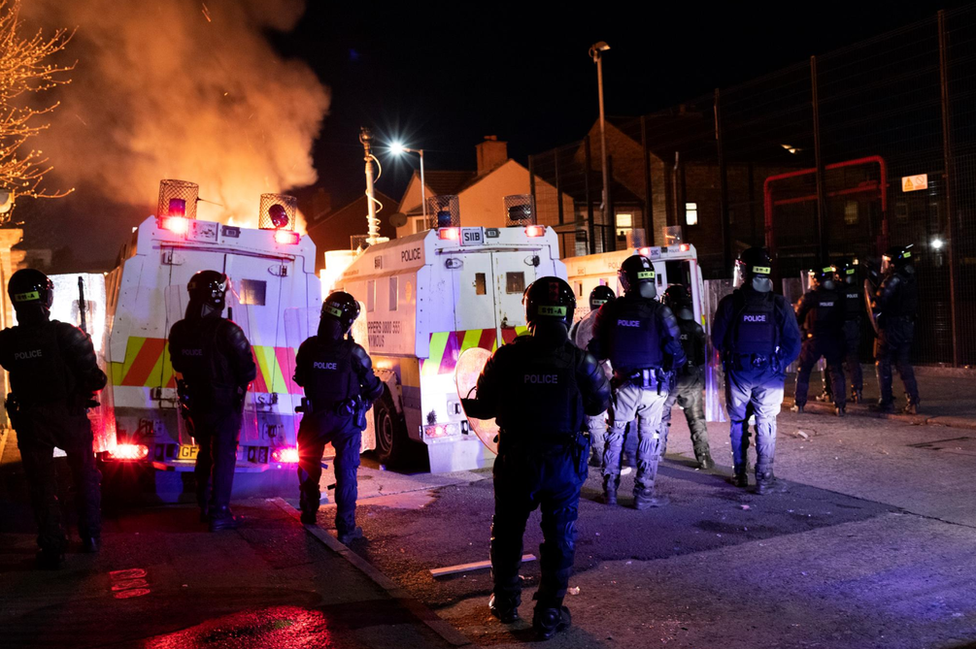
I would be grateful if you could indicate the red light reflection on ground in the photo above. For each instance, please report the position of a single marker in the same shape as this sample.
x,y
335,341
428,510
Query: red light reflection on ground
x,y
281,627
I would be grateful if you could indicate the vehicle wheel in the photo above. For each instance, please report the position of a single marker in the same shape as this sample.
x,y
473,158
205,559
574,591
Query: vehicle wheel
x,y
392,441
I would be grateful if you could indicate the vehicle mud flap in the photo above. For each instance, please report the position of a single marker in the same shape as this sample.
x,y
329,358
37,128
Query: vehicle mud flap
x,y
466,373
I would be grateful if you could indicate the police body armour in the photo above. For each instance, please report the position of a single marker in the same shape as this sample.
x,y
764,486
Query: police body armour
x,y
635,342
37,372
545,398
331,375
755,325
853,302
826,310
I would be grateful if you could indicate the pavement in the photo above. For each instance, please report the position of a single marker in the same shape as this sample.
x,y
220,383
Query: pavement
x,y
162,580
873,545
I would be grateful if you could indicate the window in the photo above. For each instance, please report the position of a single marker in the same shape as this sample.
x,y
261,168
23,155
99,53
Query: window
x,y
419,225
393,293
515,282
625,223
579,289
850,212
370,296
691,213
253,292
480,286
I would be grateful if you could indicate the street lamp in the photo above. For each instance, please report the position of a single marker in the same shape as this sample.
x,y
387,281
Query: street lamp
x,y
596,53
397,148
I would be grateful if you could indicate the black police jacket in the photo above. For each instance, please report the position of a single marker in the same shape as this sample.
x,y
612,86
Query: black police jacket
x,y
897,297
50,361
748,322
821,314
637,333
215,359
693,342
333,371
540,386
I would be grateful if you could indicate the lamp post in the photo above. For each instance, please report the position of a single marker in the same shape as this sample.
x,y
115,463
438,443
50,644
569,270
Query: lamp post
x,y
397,148
596,53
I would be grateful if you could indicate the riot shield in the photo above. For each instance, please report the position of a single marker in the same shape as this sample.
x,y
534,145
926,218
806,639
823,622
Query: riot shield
x,y
869,289
715,290
466,373
583,330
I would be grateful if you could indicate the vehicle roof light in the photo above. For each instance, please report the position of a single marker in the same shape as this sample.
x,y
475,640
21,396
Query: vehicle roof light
x,y
175,224
644,252
287,237
535,230
452,234
684,247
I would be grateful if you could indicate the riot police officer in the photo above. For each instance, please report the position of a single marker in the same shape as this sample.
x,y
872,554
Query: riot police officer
x,y
581,333
214,365
852,295
641,338
820,313
340,387
895,305
539,388
756,332
54,376
688,385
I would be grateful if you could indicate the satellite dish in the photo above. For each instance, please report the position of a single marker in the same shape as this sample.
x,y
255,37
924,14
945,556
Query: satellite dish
x,y
398,219
6,201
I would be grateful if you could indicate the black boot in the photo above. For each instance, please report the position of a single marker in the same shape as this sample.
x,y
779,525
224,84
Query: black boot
x,y
348,536
840,411
221,518
547,622
610,486
647,498
309,517
911,408
703,456
50,559
766,482
857,396
91,544
504,608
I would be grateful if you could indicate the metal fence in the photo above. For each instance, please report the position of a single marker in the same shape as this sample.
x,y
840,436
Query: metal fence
x,y
848,153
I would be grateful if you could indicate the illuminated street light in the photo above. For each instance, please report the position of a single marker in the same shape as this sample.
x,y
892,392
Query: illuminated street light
x,y
596,53
397,148
937,244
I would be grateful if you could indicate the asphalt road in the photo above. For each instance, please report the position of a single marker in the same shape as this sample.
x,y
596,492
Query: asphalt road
x,y
874,545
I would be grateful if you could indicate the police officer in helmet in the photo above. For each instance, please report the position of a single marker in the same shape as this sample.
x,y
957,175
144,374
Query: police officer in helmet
x,y
688,385
340,387
852,295
641,338
581,333
820,313
756,333
54,376
214,365
540,389
895,306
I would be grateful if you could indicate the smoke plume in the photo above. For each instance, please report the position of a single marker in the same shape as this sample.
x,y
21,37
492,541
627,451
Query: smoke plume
x,y
182,89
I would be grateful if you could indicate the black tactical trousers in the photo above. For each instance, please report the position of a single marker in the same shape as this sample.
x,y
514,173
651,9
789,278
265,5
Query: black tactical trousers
x,y
852,354
217,431
39,430
894,345
689,393
526,477
810,353
314,433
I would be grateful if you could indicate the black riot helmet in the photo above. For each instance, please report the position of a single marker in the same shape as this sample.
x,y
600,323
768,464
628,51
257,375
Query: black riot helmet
x,y
635,270
754,267
208,287
600,296
824,276
896,257
341,307
847,270
549,299
677,297
29,287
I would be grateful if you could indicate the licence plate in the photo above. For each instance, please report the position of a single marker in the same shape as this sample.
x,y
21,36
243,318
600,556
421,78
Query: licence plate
x,y
188,452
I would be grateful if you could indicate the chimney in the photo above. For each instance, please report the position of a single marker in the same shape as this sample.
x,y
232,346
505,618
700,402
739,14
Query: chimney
x,y
491,154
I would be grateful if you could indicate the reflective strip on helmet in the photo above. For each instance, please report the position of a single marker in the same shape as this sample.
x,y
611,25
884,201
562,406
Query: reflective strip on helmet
x,y
851,271
829,269
762,270
598,301
558,311
645,274
27,297
331,310
906,254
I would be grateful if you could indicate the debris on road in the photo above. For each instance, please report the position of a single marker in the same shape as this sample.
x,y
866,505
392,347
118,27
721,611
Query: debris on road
x,y
801,434
745,507
573,590
468,567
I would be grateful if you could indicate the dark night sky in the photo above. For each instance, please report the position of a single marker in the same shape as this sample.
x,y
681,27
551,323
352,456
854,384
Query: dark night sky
x,y
442,80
